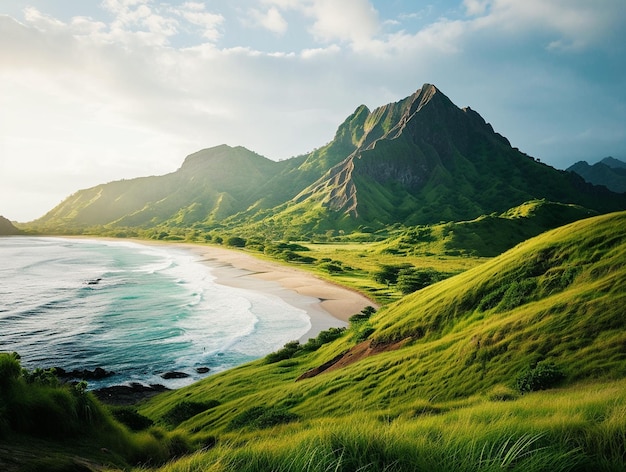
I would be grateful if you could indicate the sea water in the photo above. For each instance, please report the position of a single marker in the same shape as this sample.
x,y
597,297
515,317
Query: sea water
x,y
137,310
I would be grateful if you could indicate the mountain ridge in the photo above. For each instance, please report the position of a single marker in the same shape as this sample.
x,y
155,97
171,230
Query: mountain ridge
x,y
609,172
419,160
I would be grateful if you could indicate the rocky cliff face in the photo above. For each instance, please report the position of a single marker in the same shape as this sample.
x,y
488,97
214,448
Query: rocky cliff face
x,y
423,159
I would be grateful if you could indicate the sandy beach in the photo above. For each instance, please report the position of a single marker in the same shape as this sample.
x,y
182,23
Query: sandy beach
x,y
327,304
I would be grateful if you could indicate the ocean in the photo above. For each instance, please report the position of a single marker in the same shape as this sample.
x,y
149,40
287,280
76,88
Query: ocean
x,y
137,310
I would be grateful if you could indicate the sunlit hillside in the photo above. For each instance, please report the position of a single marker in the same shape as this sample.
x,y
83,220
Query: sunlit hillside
x,y
454,367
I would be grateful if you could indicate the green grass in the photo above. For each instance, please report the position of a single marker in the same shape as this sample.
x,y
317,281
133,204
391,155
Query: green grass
x,y
446,396
580,428
69,426
442,391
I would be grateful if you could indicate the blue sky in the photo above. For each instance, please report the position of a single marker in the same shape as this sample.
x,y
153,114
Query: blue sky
x,y
100,90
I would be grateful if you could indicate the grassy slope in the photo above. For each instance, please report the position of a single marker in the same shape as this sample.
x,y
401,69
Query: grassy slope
x,y
557,297
488,235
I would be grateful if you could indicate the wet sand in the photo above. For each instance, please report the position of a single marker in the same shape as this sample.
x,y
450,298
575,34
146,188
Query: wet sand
x,y
327,304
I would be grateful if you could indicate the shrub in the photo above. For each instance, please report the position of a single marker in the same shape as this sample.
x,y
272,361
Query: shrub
x,y
517,294
287,352
129,417
388,274
236,241
262,417
502,393
184,410
363,316
323,337
331,267
541,377
363,333
41,377
410,280
10,368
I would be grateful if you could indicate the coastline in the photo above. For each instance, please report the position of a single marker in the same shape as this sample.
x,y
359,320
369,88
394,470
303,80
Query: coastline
x,y
327,304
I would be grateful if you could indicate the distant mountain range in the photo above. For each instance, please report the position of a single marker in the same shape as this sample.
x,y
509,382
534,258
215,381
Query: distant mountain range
x,y
609,172
421,160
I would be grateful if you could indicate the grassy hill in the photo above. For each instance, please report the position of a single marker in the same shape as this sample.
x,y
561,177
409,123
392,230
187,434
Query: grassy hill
x,y
518,363
444,378
487,235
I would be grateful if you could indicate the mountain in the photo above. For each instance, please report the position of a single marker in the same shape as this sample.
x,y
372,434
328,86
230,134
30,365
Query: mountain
x,y
417,161
424,160
609,172
7,228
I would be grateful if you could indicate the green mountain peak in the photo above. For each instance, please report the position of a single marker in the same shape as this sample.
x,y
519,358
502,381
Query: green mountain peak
x,y
420,160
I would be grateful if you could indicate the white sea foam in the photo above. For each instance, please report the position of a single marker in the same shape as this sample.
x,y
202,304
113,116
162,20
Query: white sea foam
x,y
134,309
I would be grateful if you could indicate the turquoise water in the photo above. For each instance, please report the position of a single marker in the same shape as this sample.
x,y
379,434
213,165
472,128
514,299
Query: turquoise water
x,y
137,310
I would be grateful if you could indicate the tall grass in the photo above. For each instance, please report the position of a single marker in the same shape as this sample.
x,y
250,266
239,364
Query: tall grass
x,y
575,429
36,405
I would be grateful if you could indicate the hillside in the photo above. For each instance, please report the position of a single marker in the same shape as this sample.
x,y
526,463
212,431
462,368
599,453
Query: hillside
x,y
445,355
609,172
421,160
7,228
487,235
518,363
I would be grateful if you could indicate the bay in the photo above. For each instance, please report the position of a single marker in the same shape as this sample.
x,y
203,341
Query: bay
x,y
137,310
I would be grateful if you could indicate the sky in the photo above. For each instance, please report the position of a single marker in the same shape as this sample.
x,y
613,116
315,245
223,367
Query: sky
x,y
93,91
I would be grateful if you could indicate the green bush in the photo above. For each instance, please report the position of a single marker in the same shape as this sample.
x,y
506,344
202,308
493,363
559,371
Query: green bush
x,y
129,417
324,337
262,417
410,279
388,273
184,410
541,377
287,352
363,316
236,241
10,368
363,333
331,267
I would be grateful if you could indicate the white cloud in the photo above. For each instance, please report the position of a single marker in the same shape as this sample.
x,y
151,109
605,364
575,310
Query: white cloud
x,y
476,7
573,24
271,20
99,98
39,20
195,14
354,21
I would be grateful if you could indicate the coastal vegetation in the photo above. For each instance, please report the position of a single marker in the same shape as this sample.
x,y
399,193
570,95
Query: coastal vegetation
x,y
517,363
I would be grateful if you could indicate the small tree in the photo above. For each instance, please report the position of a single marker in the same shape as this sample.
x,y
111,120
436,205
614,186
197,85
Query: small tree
x,y
236,241
541,377
388,274
410,279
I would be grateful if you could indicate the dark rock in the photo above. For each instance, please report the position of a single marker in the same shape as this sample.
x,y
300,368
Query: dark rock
x,y
174,375
128,394
97,374
202,370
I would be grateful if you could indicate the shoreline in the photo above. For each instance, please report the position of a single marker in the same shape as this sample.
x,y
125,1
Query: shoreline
x,y
325,303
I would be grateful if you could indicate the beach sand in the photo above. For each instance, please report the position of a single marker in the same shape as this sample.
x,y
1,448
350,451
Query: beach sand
x,y
327,304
